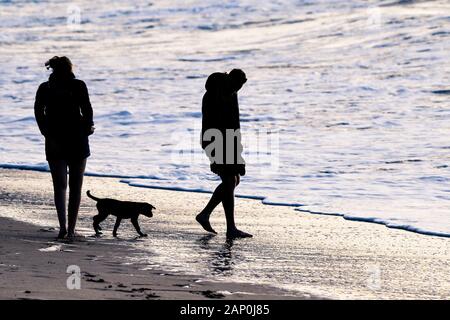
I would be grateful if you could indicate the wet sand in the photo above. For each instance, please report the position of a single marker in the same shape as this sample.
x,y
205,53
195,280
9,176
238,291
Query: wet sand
x,y
313,255
34,266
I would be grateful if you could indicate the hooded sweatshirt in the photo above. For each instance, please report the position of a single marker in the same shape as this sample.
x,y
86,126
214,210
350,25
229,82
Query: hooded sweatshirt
x,y
64,115
62,107
220,110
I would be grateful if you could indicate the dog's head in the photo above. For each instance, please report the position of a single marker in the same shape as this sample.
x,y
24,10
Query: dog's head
x,y
147,210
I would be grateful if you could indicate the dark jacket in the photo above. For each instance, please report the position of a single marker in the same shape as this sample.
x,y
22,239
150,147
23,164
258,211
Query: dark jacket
x,y
220,110
64,115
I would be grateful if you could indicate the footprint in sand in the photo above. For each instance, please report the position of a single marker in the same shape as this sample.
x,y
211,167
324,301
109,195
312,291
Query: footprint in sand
x,y
211,294
54,248
100,280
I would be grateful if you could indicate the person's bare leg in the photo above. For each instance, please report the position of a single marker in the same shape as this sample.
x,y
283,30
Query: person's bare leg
x,y
203,216
58,169
76,174
229,184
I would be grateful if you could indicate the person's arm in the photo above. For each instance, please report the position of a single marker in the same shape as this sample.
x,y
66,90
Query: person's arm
x,y
237,126
39,111
208,121
86,109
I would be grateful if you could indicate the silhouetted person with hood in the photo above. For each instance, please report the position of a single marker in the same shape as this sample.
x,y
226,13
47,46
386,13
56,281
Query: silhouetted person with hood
x,y
221,140
65,118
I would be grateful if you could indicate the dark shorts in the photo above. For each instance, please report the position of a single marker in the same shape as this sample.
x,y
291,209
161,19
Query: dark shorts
x,y
228,169
67,149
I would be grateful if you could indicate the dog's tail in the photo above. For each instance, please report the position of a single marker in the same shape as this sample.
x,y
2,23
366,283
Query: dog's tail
x,y
91,196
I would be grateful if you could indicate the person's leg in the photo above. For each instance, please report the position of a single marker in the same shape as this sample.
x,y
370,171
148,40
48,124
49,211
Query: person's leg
x,y
229,184
76,174
203,216
58,169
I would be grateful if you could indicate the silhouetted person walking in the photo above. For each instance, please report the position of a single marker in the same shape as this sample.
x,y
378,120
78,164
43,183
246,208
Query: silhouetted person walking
x,y
65,118
221,140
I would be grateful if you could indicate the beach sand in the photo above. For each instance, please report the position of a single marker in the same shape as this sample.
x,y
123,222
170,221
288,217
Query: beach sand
x,y
308,256
33,266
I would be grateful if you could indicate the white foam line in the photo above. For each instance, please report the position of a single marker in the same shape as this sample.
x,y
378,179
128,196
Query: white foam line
x,y
195,190
382,222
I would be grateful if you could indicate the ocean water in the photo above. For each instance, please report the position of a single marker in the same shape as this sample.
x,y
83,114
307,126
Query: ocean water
x,y
346,110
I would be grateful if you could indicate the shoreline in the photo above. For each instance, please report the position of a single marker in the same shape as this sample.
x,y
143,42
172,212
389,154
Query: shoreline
x,y
293,255
295,207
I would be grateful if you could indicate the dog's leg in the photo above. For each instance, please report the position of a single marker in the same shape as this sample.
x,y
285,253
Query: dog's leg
x,y
116,226
95,224
102,215
135,223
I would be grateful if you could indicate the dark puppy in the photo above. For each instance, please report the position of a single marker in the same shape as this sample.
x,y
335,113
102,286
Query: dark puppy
x,y
122,210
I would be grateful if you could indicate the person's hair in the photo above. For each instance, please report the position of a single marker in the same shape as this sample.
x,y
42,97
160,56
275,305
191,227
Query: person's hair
x,y
237,75
59,65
